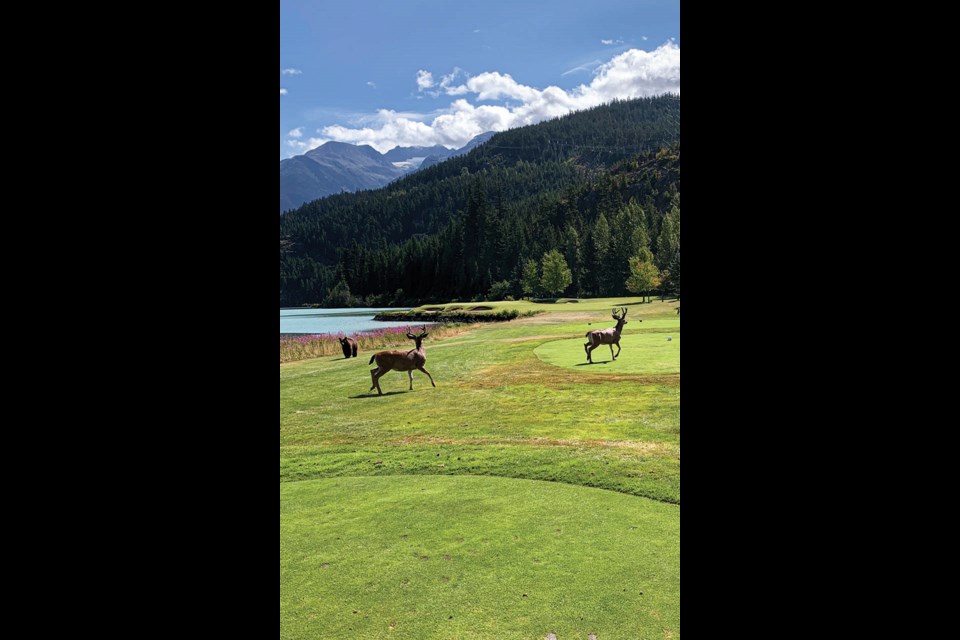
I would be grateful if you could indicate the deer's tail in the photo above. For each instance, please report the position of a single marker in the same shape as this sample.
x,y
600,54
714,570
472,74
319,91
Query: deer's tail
x,y
372,358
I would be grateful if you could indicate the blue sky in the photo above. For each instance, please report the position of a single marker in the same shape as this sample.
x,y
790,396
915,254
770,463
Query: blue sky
x,y
424,72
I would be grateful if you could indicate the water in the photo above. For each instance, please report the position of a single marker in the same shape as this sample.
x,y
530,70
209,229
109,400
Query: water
x,y
348,321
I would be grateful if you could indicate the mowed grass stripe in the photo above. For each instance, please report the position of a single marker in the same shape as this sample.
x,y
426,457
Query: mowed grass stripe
x,y
479,558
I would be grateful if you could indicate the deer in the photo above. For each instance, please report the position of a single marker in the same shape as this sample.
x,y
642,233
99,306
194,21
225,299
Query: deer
x,y
349,346
401,361
607,336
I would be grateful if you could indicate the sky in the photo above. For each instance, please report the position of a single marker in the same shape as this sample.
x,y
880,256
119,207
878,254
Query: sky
x,y
393,73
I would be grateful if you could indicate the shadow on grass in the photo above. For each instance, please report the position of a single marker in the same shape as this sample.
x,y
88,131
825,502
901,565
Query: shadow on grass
x,y
375,395
587,364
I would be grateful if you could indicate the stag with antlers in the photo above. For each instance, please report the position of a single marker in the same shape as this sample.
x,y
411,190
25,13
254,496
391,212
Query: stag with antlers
x,y
607,336
401,361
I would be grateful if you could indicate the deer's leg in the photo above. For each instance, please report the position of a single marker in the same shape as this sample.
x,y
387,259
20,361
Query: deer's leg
x,y
589,352
618,349
424,369
611,351
374,378
410,373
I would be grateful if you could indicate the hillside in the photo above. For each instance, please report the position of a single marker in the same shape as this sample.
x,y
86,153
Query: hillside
x,y
599,185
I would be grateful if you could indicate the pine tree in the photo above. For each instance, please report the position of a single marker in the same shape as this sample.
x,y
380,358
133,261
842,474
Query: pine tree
x,y
572,254
668,244
600,240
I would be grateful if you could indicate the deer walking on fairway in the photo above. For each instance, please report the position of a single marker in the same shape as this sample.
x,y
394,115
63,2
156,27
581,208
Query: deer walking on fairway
x,y
607,336
349,346
401,361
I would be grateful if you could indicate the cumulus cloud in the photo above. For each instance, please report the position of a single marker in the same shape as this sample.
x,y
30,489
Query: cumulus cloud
x,y
300,147
447,80
283,91
290,72
631,74
296,133
424,80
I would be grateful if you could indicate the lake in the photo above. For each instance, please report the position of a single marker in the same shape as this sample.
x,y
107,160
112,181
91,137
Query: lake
x,y
348,321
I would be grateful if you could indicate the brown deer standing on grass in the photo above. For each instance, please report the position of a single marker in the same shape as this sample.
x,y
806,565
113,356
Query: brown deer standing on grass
x,y
401,361
607,336
349,346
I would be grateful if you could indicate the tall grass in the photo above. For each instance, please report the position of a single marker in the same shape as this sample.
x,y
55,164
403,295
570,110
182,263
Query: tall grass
x,y
323,345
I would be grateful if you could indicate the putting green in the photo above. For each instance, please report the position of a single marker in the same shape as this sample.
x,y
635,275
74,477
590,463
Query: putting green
x,y
417,557
643,353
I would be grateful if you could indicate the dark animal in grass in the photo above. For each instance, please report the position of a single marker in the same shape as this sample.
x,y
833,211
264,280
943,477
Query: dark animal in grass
x,y
607,336
401,361
349,346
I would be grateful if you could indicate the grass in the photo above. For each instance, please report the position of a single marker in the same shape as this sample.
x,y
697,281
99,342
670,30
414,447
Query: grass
x,y
560,305
511,409
476,313
474,558
322,345
650,353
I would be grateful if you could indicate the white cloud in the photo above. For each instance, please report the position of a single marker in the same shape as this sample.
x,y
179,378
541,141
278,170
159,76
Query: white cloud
x,y
283,91
611,42
447,80
372,84
494,86
645,38
296,133
291,72
424,80
631,74
300,147
586,66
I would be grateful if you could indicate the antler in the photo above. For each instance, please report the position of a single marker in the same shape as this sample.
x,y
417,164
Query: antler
x,y
624,312
423,332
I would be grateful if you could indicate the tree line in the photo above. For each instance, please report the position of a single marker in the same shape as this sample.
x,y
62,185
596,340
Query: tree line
x,y
542,212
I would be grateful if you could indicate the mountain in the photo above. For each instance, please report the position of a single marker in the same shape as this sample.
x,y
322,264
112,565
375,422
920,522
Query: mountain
x,y
410,158
600,186
332,168
476,141
336,167
398,154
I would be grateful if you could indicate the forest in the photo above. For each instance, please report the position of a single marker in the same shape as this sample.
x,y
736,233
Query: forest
x,y
587,204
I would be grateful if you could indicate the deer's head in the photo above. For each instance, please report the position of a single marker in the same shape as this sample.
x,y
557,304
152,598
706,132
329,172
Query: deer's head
x,y
622,318
419,339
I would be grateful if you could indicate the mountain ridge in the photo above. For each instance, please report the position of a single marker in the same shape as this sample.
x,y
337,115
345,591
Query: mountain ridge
x,y
338,167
